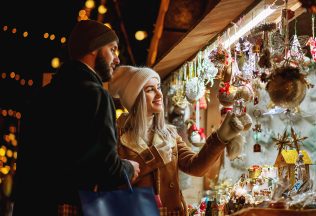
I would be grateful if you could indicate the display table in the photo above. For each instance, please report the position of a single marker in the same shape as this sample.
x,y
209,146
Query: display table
x,y
274,212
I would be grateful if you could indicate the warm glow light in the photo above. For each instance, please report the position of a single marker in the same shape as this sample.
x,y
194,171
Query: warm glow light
x,y
2,152
7,139
102,9
52,37
108,25
4,113
89,4
118,113
22,82
5,170
4,159
12,75
14,142
10,112
140,35
63,40
14,30
82,13
5,28
9,153
12,129
46,35
11,136
246,28
55,63
17,77
3,75
25,34
30,82
18,115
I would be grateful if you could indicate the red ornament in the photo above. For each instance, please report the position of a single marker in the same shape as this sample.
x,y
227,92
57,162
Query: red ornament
x,y
203,206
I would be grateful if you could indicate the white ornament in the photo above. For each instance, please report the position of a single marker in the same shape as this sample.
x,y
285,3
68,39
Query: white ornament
x,y
194,89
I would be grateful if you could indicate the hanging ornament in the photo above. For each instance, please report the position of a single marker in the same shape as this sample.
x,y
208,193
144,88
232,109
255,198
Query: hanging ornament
x,y
194,89
295,53
265,59
219,57
286,87
226,94
312,41
244,92
277,45
257,130
312,45
203,104
257,147
196,134
207,68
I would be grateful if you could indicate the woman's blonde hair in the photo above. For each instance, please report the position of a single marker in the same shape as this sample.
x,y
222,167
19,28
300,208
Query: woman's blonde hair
x,y
136,122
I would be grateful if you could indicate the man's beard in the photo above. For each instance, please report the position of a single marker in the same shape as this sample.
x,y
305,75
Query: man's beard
x,y
102,68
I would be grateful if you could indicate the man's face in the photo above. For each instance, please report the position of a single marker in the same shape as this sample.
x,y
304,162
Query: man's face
x,y
106,61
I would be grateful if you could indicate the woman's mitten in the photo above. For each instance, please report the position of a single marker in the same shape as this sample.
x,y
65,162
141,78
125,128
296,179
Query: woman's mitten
x,y
246,121
234,147
230,127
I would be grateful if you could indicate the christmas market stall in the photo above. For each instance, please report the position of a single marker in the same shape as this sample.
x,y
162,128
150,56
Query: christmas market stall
x,y
256,59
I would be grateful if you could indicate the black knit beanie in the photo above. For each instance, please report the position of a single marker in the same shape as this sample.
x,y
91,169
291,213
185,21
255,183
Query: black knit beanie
x,y
87,36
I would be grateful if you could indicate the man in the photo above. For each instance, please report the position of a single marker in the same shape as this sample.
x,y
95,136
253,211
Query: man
x,y
69,135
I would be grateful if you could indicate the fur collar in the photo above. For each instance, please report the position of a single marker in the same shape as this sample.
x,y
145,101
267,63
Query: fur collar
x,y
142,144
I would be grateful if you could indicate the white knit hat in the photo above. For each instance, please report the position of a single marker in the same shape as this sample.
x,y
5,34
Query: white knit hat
x,y
128,81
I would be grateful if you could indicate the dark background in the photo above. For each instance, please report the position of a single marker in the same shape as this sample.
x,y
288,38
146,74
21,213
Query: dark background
x,y
30,57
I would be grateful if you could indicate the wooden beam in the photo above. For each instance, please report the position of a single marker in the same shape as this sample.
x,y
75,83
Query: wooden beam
x,y
213,23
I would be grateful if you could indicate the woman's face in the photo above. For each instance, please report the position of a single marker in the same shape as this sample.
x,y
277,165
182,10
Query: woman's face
x,y
153,96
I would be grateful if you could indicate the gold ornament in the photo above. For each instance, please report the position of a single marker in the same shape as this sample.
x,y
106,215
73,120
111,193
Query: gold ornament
x,y
286,87
282,141
296,139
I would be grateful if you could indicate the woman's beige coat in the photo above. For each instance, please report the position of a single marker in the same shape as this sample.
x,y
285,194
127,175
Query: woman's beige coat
x,y
165,177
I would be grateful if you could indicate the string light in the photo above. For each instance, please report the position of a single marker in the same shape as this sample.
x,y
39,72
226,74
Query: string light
x,y
25,34
246,28
17,77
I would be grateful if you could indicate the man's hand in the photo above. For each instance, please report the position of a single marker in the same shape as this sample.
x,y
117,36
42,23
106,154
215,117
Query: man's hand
x,y
136,169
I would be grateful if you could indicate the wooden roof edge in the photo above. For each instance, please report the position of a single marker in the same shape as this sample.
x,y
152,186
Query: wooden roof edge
x,y
164,70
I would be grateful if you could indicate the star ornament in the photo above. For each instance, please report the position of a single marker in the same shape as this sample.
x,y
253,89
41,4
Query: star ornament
x,y
282,141
296,140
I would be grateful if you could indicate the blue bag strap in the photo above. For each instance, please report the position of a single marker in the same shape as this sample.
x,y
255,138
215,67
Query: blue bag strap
x,y
128,181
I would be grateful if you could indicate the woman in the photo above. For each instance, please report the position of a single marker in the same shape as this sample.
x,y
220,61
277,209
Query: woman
x,y
155,145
